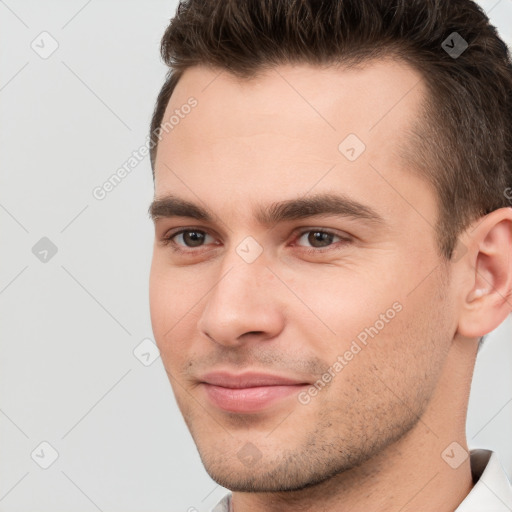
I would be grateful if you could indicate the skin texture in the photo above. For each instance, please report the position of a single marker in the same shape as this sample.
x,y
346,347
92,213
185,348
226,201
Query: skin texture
x,y
372,438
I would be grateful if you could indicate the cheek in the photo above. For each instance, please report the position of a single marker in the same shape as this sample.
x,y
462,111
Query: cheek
x,y
340,302
387,317
409,351
172,295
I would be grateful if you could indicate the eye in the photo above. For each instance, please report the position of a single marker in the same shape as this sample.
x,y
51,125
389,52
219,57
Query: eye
x,y
190,238
318,238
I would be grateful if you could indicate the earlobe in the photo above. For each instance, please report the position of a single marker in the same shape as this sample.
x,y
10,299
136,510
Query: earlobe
x,y
489,299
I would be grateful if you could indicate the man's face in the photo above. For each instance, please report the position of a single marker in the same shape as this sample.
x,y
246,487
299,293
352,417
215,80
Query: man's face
x,y
300,337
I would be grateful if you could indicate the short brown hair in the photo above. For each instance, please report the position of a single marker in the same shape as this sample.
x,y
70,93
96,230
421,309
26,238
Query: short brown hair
x,y
462,144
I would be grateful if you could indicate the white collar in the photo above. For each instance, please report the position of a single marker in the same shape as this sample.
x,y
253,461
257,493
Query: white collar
x,y
492,491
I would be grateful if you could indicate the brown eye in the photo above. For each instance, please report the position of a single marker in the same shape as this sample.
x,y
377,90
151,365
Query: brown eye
x,y
317,238
190,238
320,239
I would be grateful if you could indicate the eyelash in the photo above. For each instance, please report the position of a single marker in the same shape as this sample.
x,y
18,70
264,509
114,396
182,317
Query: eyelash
x,y
168,241
316,250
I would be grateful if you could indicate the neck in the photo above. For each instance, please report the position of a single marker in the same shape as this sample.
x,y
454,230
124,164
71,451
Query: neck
x,y
414,473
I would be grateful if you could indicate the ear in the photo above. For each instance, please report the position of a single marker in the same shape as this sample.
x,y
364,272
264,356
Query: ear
x,y
486,298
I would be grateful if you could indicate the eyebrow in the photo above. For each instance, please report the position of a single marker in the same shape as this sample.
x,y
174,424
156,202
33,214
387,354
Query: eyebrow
x,y
291,209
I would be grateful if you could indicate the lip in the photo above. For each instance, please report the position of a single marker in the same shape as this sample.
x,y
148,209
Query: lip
x,y
249,392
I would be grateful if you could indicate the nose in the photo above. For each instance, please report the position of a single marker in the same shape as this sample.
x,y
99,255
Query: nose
x,y
243,304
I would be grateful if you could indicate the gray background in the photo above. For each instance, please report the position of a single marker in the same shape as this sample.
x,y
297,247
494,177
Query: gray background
x,y
68,374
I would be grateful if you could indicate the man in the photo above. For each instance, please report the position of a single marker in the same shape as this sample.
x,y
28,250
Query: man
x,y
332,241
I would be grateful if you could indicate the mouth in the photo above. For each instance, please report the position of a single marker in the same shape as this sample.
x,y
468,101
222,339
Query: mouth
x,y
249,392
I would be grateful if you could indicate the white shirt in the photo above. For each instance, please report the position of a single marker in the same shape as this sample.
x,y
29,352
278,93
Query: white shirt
x,y
492,491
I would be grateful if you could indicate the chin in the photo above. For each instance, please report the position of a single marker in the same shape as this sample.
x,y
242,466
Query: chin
x,y
285,472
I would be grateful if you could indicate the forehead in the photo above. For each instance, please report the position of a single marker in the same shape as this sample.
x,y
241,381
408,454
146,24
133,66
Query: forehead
x,y
378,93
282,132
